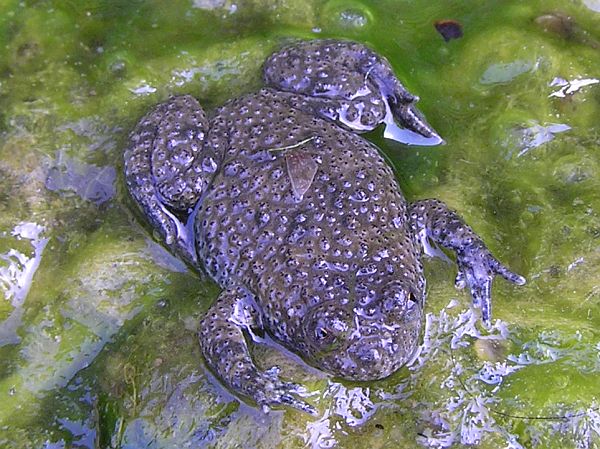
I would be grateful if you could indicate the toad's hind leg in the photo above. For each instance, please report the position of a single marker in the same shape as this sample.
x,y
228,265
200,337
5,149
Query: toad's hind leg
x,y
350,84
432,219
168,166
226,352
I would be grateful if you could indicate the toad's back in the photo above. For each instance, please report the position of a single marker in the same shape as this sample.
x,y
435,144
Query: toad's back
x,y
302,212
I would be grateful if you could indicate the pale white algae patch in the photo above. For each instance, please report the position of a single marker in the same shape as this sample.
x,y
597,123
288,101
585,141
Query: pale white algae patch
x,y
538,135
16,274
570,87
144,89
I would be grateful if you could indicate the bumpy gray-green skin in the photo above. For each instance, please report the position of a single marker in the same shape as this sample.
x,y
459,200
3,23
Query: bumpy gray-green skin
x,y
299,219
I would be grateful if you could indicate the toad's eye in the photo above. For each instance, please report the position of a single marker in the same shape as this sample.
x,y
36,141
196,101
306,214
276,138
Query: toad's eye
x,y
327,332
398,299
326,326
321,333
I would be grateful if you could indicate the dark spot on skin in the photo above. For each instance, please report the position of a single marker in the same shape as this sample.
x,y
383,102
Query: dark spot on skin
x,y
448,29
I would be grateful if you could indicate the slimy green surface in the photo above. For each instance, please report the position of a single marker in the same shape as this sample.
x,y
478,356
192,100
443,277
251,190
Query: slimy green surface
x,y
98,322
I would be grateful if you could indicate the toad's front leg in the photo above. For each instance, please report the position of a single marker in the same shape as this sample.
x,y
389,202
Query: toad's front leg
x,y
226,352
432,219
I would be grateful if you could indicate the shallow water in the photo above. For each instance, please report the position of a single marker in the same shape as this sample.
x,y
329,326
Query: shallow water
x,y
97,321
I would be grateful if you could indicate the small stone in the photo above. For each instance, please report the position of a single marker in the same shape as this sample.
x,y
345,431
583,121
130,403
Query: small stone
x,y
448,29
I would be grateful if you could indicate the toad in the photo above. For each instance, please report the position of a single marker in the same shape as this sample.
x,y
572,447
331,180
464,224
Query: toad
x,y
300,219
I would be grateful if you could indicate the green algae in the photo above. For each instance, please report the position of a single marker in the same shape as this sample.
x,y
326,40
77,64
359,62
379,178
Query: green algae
x,y
101,351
